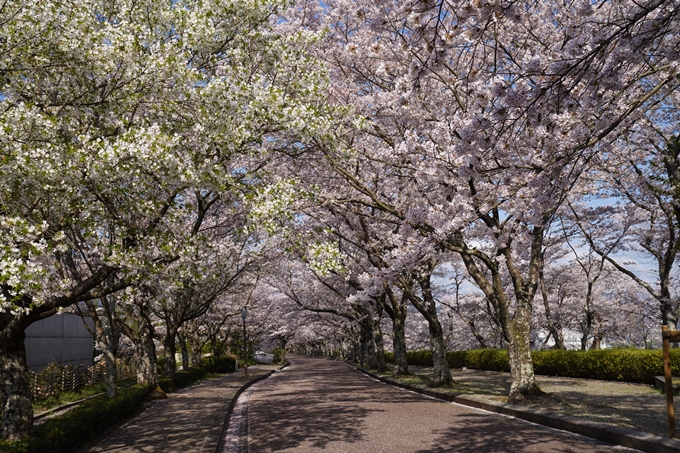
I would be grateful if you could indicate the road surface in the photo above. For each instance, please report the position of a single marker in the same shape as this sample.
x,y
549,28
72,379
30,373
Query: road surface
x,y
318,405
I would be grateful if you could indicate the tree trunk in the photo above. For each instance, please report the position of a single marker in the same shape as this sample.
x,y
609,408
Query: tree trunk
x,y
362,349
554,328
669,310
169,351
185,351
599,333
379,343
519,354
586,329
15,392
399,344
397,311
441,375
597,342
110,360
213,345
107,337
195,354
367,329
558,336
146,354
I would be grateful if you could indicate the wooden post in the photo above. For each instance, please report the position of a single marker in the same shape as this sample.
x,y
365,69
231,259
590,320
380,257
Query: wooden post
x,y
666,335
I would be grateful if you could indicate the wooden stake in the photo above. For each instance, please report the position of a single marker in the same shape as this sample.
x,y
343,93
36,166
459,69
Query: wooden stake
x,y
665,334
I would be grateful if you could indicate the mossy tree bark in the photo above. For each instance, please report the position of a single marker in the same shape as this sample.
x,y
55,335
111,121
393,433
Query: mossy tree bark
x,y
519,354
15,392
143,337
378,335
426,305
396,310
516,329
107,336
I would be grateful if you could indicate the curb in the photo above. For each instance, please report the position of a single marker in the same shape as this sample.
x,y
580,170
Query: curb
x,y
650,443
53,411
218,429
48,412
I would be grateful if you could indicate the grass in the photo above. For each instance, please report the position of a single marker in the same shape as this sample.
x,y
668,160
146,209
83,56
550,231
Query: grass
x,y
45,404
470,382
629,405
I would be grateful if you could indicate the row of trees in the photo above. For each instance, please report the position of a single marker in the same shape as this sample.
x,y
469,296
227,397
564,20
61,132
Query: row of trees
x,y
495,136
133,135
340,165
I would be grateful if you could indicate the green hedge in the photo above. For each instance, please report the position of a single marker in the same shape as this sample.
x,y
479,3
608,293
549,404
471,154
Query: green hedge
x,y
279,355
220,364
181,379
184,378
481,359
628,365
69,432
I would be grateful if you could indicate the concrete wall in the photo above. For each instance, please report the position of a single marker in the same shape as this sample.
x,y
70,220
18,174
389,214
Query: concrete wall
x,y
60,338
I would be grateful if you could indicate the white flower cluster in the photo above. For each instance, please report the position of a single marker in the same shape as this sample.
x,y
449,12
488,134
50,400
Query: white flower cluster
x,y
272,203
21,272
324,257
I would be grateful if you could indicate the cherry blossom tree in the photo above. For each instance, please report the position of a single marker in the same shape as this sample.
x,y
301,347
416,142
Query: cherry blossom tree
x,y
641,216
489,113
114,113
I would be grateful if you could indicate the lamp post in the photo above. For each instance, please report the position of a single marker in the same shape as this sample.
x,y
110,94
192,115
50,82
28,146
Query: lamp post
x,y
244,313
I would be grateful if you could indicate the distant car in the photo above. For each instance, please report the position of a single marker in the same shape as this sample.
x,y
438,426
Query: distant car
x,y
263,357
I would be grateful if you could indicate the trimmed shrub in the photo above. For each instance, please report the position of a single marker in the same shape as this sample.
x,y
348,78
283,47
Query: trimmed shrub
x,y
421,358
187,377
69,432
166,383
184,378
220,364
487,359
279,355
628,365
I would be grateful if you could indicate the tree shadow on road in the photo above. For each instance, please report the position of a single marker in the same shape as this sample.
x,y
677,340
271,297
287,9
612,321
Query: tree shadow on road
x,y
481,433
314,409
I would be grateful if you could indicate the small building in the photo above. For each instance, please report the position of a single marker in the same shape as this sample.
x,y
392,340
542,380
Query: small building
x,y
62,339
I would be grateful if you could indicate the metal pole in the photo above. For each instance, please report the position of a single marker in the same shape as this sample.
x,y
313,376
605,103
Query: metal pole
x,y
245,346
665,334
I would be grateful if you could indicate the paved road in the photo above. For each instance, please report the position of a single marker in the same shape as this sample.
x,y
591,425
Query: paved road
x,y
317,405
188,421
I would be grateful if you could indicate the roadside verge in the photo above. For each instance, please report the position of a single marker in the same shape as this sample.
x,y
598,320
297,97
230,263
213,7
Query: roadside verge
x,y
639,440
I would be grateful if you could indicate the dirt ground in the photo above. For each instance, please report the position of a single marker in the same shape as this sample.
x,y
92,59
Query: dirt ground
x,y
636,406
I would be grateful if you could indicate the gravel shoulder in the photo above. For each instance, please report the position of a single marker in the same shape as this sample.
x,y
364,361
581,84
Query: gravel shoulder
x,y
635,406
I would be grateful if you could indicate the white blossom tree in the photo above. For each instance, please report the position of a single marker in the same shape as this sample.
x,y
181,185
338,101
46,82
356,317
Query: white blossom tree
x,y
113,114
